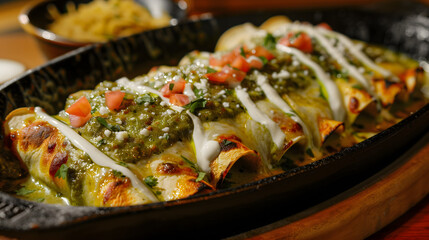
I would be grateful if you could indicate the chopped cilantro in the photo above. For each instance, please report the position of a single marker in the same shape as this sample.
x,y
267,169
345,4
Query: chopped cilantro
x,y
323,93
189,162
290,114
211,70
94,110
102,121
151,181
242,53
269,41
123,164
145,98
200,177
357,86
101,142
196,104
118,174
263,59
171,86
198,92
226,142
167,136
62,172
24,191
40,200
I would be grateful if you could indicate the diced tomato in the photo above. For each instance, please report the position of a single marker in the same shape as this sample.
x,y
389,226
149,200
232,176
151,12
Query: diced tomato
x,y
255,62
78,121
260,51
228,76
324,25
179,99
114,99
80,108
298,40
173,87
240,63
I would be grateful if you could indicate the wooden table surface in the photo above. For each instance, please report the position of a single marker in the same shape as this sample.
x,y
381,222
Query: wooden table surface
x,y
17,45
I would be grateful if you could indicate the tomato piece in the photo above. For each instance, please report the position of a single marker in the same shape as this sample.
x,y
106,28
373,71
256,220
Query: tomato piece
x,y
78,121
298,40
173,87
114,99
260,51
255,62
324,25
240,63
228,76
80,108
179,99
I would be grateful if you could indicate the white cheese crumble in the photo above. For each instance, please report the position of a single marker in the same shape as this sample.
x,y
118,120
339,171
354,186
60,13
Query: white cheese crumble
x,y
99,138
118,121
166,129
282,74
163,104
107,132
103,110
122,135
144,132
225,104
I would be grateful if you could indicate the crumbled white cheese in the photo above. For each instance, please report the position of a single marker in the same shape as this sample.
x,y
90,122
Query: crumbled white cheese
x,y
225,104
107,132
282,74
144,132
146,104
99,138
166,129
122,135
163,104
103,110
118,121
169,111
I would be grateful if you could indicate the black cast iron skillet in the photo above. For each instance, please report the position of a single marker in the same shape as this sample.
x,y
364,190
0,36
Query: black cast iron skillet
x,y
225,212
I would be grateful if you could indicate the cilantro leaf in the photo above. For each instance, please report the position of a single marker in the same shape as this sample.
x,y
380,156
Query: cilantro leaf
x,y
151,181
357,86
171,86
145,98
226,142
62,172
242,53
118,174
270,41
211,70
102,121
24,191
200,177
263,59
189,162
123,164
196,104
198,92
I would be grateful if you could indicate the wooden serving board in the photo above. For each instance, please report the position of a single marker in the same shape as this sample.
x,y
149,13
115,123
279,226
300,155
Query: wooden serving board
x,y
362,210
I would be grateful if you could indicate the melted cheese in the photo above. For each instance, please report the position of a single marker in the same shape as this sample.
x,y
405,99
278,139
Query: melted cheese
x,y
275,98
334,95
96,155
276,133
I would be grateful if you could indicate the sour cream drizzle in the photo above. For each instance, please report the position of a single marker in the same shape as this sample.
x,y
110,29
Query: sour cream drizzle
x,y
275,98
276,133
141,89
206,150
334,98
356,52
96,155
333,52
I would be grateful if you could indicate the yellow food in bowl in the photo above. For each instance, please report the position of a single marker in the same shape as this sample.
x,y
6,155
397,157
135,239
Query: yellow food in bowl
x,y
102,20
